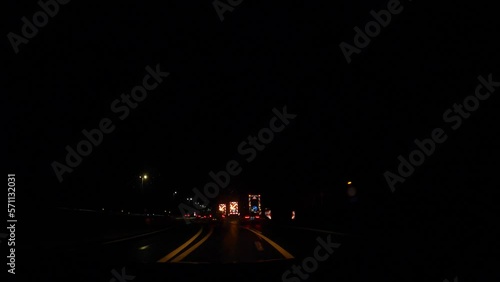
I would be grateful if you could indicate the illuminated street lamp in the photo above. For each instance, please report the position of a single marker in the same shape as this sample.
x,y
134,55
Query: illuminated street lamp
x,y
351,190
142,177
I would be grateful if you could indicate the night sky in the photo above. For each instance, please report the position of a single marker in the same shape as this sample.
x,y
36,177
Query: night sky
x,y
353,120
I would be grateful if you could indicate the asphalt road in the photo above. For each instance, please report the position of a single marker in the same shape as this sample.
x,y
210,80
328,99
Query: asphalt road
x,y
209,251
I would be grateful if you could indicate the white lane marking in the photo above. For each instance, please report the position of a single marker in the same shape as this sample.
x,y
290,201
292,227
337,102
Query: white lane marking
x,y
136,236
144,247
258,245
318,230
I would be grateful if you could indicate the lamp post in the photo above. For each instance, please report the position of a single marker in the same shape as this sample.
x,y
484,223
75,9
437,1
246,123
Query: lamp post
x,y
142,177
351,190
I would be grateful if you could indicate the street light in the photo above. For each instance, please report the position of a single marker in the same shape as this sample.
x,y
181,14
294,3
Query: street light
x,y
351,190
142,177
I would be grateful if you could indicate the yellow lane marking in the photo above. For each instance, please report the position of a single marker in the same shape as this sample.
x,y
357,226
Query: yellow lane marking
x,y
182,247
282,251
194,247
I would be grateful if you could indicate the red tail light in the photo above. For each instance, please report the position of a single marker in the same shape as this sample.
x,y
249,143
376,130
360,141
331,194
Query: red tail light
x,y
246,216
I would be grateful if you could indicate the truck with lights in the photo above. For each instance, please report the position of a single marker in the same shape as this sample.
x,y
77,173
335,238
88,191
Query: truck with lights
x,y
247,208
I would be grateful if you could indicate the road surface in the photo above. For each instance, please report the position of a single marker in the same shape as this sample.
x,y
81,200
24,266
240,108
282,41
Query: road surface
x,y
209,251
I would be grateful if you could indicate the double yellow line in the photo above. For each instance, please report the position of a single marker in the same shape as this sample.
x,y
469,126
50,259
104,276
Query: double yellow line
x,y
168,258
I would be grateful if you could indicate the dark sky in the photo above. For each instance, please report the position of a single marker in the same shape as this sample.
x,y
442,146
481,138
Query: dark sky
x,y
353,120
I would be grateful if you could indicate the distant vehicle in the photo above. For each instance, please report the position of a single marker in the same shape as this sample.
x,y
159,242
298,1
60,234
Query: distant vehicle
x,y
254,211
247,210
204,216
251,218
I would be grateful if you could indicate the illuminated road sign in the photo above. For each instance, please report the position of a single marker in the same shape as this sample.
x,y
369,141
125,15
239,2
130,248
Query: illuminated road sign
x,y
254,204
233,207
222,208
